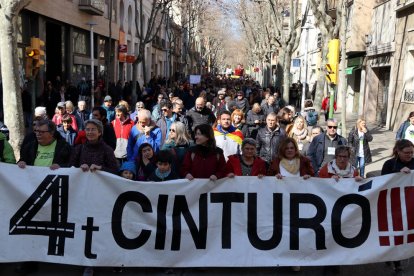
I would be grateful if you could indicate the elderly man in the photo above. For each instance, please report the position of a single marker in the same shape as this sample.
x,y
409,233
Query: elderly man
x,y
144,131
200,114
46,150
322,148
269,137
228,137
81,115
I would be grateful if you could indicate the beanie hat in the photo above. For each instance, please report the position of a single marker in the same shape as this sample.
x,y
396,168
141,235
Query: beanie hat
x,y
128,166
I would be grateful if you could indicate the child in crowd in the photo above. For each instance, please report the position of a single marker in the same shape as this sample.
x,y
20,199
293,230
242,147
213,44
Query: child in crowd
x,y
128,170
163,171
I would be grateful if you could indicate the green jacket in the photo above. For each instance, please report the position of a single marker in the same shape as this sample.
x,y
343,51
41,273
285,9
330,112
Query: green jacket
x,y
8,154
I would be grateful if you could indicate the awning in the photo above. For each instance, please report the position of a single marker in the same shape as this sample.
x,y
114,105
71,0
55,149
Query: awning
x,y
350,70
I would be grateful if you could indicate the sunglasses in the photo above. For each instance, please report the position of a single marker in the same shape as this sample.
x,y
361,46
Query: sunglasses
x,y
164,109
334,127
172,130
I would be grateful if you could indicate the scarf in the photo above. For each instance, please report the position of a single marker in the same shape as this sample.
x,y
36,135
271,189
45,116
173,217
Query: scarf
x,y
292,166
162,175
347,173
229,130
300,134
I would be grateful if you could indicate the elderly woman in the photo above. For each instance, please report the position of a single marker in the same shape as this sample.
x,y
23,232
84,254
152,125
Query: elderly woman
x,y
299,132
178,143
290,162
359,138
94,154
205,159
402,161
255,119
340,166
246,163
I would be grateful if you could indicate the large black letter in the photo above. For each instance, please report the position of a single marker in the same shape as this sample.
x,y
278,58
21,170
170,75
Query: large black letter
x,y
199,235
254,238
89,229
312,223
117,212
161,222
227,199
337,210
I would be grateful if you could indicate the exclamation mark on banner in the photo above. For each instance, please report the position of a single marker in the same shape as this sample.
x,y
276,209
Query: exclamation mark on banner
x,y
397,224
409,205
383,218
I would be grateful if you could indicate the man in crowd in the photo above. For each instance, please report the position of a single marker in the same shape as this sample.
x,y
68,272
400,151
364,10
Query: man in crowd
x,y
156,110
110,110
219,102
167,118
269,137
270,106
322,148
200,114
81,115
109,137
241,102
228,137
122,126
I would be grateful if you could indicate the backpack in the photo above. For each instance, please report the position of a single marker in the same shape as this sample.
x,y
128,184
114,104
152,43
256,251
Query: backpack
x,y
311,118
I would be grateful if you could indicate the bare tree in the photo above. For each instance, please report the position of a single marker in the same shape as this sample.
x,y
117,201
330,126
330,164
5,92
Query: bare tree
x,y
12,101
329,28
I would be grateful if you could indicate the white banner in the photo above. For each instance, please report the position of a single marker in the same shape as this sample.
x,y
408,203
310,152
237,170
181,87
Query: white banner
x,y
99,219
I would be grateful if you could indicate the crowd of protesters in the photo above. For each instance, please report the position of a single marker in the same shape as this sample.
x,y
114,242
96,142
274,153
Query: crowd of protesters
x,y
218,128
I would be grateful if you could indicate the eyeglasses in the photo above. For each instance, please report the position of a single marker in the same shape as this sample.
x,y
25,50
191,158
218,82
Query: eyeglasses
x,y
334,127
164,110
172,130
40,131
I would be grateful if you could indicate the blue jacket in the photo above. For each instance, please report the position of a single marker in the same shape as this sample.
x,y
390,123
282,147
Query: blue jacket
x,y
69,136
401,130
110,113
137,138
316,150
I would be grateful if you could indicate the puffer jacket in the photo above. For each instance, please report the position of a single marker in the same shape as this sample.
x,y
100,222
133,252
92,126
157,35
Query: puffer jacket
x,y
268,142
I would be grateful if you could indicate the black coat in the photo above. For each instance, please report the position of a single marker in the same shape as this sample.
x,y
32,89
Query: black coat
x,y
353,141
268,142
62,153
253,127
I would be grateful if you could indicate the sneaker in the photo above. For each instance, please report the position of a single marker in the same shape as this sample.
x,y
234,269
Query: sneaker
x,y
88,271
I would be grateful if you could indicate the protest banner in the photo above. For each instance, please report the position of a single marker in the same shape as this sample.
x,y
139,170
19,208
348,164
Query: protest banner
x,y
98,219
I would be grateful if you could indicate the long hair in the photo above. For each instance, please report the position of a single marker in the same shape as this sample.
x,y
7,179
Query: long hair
x,y
358,122
140,149
182,136
295,123
208,132
400,145
283,145
237,112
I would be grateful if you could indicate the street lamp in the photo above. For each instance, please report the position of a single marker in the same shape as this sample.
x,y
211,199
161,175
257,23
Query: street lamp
x,y
306,27
91,24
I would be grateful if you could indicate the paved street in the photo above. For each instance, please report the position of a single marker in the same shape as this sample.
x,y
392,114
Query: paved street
x,y
381,148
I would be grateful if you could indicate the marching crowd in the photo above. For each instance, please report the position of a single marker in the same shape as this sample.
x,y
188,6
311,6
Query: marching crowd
x,y
218,128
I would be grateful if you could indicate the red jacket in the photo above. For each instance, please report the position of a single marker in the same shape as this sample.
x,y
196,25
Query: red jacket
x,y
202,164
122,129
234,166
305,167
323,172
325,104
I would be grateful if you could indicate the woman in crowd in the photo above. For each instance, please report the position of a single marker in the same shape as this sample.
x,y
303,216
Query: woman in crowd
x,y
359,138
402,161
205,159
255,119
146,162
406,129
285,118
178,142
246,163
94,154
237,119
300,133
66,131
340,166
290,162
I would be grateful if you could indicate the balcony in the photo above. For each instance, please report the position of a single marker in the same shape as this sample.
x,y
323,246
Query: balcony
x,y
93,7
380,49
404,4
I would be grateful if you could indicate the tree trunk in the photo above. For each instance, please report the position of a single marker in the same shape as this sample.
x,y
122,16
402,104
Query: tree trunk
x,y
144,66
12,101
320,85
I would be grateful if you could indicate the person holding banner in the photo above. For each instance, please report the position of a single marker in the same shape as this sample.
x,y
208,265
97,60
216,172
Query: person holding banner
x,y
402,161
340,166
290,162
205,159
94,154
246,163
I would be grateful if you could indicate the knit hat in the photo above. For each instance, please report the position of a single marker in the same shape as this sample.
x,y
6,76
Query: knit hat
x,y
128,166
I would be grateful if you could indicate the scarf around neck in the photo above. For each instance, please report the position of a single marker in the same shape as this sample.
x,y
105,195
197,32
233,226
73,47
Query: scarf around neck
x,y
334,169
162,175
292,166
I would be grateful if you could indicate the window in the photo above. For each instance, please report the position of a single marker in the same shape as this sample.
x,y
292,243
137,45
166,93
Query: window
x,y
80,44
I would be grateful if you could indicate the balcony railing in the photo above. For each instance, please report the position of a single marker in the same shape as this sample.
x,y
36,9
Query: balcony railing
x,y
404,4
93,7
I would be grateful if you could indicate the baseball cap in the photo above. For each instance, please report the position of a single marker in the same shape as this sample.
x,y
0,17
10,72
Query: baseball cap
x,y
107,99
61,104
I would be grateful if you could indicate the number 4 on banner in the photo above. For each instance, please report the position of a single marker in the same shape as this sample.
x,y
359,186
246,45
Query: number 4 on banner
x,y
58,228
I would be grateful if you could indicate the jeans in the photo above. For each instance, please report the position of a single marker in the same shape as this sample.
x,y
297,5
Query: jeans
x,y
361,165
